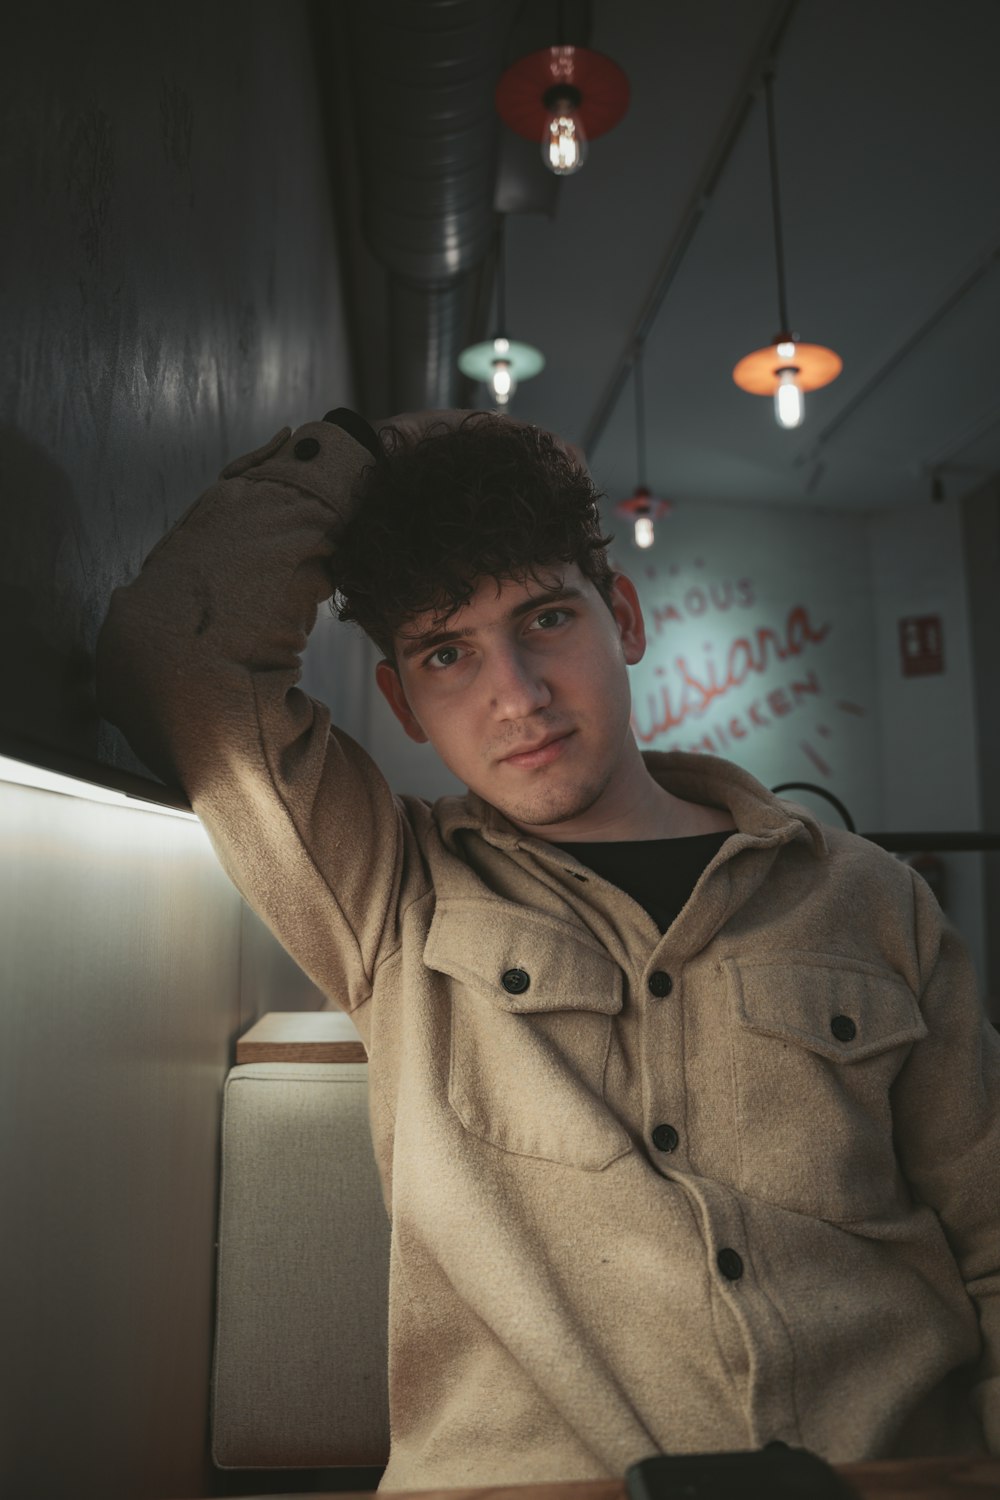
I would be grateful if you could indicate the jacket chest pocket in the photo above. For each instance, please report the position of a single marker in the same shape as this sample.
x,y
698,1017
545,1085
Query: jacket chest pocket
x,y
817,1042
531,1016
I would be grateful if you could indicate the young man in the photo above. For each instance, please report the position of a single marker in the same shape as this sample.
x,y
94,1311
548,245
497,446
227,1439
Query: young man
x,y
686,1110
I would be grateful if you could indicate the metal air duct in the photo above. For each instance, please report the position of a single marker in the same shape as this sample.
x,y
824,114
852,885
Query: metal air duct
x,y
424,72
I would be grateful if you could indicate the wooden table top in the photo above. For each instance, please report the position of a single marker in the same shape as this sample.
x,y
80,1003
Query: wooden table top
x,y
296,1036
910,1479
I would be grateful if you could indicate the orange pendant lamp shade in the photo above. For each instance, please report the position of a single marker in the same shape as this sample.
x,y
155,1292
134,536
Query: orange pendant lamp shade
x,y
760,372
787,368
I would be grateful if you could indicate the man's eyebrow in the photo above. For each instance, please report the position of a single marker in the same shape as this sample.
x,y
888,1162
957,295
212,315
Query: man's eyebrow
x,y
435,638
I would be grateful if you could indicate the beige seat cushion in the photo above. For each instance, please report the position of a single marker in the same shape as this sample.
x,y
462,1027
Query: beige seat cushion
x,y
302,1302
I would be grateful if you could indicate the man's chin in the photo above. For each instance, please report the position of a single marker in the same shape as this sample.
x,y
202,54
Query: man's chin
x,y
549,810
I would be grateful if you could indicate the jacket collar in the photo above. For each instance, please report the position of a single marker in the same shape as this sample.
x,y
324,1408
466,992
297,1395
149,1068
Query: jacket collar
x,y
766,820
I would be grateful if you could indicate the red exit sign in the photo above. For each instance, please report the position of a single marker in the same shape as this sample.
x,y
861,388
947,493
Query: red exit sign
x,y
921,645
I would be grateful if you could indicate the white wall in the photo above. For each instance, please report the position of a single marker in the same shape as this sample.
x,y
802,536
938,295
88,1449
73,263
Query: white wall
x,y
930,771
760,647
930,764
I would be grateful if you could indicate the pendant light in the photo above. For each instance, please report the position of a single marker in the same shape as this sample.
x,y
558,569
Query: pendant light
x,y
642,508
562,97
786,368
500,362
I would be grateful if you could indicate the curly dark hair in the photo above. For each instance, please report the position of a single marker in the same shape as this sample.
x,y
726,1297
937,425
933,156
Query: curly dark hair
x,y
487,499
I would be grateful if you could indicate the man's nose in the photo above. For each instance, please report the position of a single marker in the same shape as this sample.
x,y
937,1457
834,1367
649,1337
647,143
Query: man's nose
x,y
517,685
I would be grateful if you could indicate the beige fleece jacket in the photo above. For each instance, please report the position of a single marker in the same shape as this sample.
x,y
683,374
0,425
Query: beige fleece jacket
x,y
817,1259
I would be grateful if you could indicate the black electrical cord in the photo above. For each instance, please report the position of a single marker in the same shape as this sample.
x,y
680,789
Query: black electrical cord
x,y
501,323
779,247
640,415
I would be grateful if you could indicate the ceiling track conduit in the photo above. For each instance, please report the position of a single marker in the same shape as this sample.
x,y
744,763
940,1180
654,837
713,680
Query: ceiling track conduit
x,y
765,56
987,263
944,459
428,137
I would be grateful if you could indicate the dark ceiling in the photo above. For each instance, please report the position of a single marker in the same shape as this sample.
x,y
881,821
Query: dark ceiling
x,y
888,120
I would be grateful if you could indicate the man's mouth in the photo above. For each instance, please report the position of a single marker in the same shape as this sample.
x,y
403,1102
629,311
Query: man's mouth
x,y
541,753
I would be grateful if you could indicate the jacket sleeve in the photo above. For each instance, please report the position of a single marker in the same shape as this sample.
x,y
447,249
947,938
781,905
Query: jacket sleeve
x,y
197,662
947,1112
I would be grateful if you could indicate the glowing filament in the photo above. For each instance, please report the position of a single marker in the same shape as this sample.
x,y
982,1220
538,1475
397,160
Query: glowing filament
x,y
564,145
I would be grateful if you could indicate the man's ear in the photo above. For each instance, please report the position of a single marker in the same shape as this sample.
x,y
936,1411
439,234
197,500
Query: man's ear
x,y
627,611
392,691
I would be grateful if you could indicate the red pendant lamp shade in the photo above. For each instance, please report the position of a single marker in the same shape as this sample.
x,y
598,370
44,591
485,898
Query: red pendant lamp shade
x,y
642,508
597,85
643,503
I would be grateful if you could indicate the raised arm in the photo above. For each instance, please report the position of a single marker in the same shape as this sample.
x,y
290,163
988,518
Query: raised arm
x,y
198,663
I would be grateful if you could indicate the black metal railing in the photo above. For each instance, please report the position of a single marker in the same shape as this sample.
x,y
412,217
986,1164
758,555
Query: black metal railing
x,y
903,843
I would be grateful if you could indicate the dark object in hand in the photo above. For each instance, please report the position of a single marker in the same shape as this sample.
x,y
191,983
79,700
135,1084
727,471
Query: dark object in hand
x,y
772,1473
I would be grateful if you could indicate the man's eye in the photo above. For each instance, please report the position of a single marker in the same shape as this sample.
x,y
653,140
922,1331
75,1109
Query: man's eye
x,y
550,618
444,656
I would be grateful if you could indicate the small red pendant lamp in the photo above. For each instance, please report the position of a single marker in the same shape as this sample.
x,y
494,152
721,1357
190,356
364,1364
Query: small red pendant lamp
x,y
786,368
642,508
563,97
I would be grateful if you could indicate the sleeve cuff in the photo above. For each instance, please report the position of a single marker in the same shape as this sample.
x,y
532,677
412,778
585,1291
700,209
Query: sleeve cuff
x,y
357,428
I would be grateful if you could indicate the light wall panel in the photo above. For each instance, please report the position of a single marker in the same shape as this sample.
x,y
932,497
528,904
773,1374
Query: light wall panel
x,y
119,1003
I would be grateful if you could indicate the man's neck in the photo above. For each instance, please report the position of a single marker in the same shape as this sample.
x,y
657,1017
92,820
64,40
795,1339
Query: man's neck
x,y
660,816
636,807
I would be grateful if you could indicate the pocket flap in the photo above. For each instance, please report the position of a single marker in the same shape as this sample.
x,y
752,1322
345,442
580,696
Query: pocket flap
x,y
480,943
800,996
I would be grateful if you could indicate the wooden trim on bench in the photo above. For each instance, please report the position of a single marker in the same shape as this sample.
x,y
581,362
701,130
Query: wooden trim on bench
x,y
323,1036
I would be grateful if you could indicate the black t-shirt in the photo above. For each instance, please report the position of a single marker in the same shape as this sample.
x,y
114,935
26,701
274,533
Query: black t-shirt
x,y
658,873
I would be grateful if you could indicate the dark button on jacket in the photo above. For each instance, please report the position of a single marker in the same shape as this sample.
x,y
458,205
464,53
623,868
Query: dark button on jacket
x,y
843,1028
665,1138
730,1264
660,983
515,981
306,448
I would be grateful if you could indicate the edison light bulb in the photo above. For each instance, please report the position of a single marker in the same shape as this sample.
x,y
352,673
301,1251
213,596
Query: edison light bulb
x,y
789,405
502,382
564,145
643,531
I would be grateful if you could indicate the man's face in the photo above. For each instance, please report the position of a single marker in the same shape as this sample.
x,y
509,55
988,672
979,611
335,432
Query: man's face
x,y
524,694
